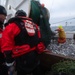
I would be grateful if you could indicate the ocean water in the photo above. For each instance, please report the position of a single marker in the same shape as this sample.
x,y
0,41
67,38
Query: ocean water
x,y
69,30
66,28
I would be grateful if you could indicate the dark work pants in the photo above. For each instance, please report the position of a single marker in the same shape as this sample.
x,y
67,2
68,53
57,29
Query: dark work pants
x,y
36,71
3,68
29,63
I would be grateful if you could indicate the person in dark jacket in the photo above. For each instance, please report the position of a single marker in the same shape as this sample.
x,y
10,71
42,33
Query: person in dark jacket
x,y
22,44
3,14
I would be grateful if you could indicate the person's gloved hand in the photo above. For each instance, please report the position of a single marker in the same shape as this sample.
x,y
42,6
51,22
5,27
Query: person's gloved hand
x,y
11,68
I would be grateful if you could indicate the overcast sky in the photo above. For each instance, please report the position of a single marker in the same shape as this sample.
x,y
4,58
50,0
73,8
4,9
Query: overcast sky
x,y
61,11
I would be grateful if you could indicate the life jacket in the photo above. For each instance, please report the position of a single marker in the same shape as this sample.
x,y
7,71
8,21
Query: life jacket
x,y
24,37
25,41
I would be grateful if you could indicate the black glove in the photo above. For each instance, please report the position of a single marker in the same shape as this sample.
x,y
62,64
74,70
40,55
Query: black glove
x,y
11,68
8,56
10,63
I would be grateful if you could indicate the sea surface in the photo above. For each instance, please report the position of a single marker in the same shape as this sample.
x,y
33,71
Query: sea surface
x,y
66,28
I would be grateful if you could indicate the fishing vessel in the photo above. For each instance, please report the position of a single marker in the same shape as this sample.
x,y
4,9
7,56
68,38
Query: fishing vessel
x,y
40,15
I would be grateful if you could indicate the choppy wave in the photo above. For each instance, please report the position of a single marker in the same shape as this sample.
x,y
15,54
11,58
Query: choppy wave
x,y
66,28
